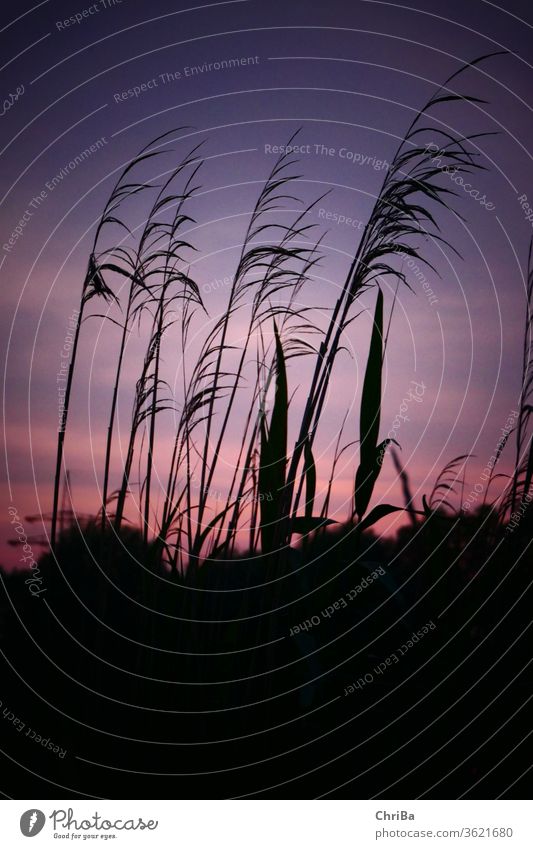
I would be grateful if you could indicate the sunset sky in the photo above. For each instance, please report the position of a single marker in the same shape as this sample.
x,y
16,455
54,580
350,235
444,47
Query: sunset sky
x,y
351,75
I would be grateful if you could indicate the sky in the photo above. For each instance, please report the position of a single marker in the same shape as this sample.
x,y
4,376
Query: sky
x,y
110,76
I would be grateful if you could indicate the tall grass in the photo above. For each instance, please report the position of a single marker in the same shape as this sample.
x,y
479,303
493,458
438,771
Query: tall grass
x,y
95,286
140,270
523,475
272,492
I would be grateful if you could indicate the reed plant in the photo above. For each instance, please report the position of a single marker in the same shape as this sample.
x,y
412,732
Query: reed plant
x,y
272,493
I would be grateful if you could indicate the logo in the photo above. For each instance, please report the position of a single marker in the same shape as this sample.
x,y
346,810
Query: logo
x,y
32,822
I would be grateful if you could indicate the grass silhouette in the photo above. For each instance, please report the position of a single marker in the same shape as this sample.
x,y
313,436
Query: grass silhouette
x,y
214,635
267,288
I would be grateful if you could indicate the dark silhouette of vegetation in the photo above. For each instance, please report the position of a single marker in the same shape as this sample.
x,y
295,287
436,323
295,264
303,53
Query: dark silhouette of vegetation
x,y
194,645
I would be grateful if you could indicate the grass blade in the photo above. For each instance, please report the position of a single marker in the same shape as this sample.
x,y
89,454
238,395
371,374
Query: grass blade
x,y
370,415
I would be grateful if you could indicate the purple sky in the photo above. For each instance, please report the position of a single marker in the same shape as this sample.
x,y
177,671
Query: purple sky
x,y
350,75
